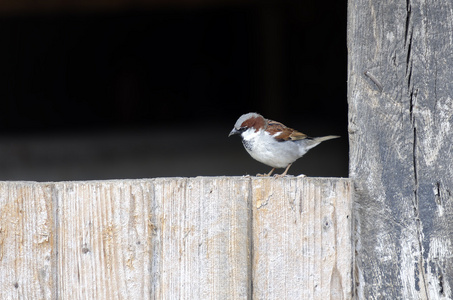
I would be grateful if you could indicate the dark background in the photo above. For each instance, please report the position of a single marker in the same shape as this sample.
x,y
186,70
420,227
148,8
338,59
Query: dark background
x,y
138,89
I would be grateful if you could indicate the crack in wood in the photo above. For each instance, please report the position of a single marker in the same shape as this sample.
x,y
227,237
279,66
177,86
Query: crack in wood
x,y
437,194
420,270
250,237
408,20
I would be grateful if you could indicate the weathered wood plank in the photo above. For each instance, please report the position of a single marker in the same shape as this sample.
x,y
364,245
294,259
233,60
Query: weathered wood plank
x,y
400,115
103,239
27,241
302,239
201,238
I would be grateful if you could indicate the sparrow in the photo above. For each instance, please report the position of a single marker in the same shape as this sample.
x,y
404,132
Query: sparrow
x,y
272,143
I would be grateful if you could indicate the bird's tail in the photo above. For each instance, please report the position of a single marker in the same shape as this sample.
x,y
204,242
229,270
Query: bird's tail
x,y
313,142
325,138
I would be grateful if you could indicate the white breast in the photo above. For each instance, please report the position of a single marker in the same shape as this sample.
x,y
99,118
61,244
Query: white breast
x,y
265,149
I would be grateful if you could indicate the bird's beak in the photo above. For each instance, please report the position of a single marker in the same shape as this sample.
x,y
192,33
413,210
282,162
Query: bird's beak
x,y
233,132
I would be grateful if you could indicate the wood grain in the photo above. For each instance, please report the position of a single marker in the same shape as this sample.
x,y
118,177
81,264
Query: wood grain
x,y
400,115
27,241
302,239
103,240
201,240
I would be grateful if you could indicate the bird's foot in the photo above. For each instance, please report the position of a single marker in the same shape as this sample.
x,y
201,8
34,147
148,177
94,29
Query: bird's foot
x,y
279,175
265,175
284,173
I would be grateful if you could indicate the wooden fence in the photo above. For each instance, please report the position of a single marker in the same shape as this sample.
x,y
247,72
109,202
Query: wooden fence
x,y
177,238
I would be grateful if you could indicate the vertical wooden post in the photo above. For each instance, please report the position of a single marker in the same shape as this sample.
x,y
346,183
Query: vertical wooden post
x,y
400,121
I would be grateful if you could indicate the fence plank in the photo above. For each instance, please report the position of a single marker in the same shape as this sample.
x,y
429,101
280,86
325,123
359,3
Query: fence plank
x,y
103,240
201,238
302,239
27,241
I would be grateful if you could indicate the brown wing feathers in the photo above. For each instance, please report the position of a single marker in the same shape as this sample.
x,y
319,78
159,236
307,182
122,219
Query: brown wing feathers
x,y
283,133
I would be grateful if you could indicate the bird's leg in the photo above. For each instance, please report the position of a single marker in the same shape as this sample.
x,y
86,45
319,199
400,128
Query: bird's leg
x,y
284,173
266,175
269,174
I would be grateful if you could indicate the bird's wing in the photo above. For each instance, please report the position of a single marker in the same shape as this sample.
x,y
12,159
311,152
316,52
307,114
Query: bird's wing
x,y
283,133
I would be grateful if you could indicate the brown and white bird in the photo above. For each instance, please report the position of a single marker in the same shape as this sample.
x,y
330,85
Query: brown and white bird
x,y
272,143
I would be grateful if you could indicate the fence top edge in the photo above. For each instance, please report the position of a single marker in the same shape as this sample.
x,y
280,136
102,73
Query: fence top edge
x,y
168,179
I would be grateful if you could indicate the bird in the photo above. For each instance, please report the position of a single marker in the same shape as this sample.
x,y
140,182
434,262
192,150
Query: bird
x,y
272,143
